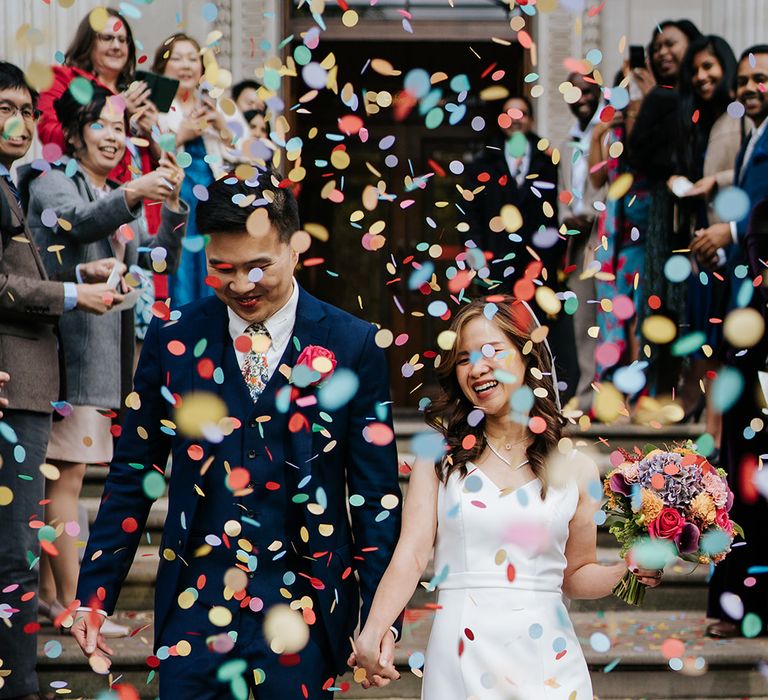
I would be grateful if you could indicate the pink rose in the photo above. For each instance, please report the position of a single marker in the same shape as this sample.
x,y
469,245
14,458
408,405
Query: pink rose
x,y
668,525
317,358
723,521
716,487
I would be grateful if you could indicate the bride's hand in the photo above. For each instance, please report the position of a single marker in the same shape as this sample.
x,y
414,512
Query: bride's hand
x,y
648,577
376,657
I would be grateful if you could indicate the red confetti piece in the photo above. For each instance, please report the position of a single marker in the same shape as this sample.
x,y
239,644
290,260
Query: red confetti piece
x,y
524,39
161,311
130,525
212,281
561,654
469,442
537,425
596,9
238,478
350,124
510,573
313,262
469,634
607,114
243,343
205,368
488,70
654,302
176,347
32,628
478,504
657,481
272,486
200,583
436,167
673,648
298,422
153,662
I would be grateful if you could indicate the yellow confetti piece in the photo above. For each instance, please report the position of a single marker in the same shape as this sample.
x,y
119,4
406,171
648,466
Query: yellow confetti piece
x,y
659,329
620,186
220,616
743,328
383,67
548,301
511,218
389,501
325,529
6,496
98,19
609,403
384,338
494,92
285,630
50,471
185,600
199,410
350,18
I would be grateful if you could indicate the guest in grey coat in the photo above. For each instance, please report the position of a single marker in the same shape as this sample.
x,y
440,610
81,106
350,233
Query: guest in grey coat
x,y
76,215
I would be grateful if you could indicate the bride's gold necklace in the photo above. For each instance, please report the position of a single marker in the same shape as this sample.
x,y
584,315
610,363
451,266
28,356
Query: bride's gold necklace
x,y
508,446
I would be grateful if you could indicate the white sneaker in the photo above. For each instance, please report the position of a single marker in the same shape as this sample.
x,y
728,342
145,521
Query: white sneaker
x,y
111,630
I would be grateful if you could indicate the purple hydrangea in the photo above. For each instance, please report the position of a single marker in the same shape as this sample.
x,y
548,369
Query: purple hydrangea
x,y
680,488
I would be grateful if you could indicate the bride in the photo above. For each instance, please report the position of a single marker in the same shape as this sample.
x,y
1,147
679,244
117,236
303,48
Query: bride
x,y
511,536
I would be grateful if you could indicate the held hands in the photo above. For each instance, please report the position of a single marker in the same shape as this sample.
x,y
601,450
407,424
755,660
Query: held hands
x,y
86,632
707,241
376,657
136,96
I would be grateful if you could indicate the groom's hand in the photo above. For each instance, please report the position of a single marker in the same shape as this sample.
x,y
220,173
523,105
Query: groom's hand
x,y
377,659
86,632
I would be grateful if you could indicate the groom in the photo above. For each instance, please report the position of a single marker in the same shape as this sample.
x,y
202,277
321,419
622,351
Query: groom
x,y
267,471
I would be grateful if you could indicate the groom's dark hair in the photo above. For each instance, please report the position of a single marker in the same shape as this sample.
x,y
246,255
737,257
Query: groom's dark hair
x,y
232,200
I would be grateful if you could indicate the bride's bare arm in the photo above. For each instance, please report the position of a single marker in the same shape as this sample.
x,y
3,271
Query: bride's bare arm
x,y
408,563
584,578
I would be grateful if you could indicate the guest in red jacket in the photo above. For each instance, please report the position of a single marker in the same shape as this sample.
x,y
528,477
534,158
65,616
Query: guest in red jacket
x,y
106,58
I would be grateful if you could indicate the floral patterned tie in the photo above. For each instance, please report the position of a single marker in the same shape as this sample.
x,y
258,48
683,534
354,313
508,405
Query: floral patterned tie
x,y
255,369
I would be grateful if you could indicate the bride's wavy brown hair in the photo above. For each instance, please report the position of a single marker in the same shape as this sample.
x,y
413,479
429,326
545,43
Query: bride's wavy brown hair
x,y
448,413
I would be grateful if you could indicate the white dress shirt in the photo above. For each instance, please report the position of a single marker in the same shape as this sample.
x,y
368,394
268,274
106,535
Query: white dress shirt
x,y
581,142
519,166
280,326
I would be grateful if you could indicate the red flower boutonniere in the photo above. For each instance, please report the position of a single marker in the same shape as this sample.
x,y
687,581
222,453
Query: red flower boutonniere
x,y
319,360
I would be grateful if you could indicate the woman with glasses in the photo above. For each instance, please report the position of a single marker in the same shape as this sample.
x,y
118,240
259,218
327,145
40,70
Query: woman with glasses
x,y
105,58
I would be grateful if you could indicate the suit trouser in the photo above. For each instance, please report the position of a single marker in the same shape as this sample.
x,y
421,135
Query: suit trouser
x,y
20,474
205,674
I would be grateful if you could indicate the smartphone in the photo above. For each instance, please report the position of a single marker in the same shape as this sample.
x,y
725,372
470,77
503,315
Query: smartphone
x,y
637,56
163,89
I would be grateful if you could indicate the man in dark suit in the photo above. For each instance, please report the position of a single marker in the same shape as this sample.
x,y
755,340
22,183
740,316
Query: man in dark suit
x,y
30,305
515,170
259,503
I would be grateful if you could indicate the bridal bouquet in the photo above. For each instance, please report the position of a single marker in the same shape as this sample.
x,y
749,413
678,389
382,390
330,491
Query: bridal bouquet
x,y
667,504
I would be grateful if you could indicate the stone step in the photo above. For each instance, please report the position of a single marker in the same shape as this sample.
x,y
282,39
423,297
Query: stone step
x,y
635,665
684,587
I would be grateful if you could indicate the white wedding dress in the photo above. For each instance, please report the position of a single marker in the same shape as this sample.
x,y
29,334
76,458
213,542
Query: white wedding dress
x,y
501,631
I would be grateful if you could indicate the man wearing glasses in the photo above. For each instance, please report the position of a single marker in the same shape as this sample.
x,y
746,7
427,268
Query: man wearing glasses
x,y
30,305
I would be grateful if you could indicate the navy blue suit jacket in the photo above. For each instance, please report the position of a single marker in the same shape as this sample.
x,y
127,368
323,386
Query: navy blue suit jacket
x,y
353,466
754,179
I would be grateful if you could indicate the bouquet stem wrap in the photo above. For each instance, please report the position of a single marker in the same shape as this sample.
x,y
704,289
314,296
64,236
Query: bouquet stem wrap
x,y
629,589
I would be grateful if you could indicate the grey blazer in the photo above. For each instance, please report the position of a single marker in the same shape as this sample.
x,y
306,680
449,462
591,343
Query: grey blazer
x,y
30,306
98,350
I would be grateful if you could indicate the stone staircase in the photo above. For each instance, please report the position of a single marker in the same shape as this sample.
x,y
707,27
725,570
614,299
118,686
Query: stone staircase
x,y
637,663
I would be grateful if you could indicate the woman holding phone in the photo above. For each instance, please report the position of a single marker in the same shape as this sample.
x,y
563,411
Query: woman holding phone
x,y
105,58
78,214
202,132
